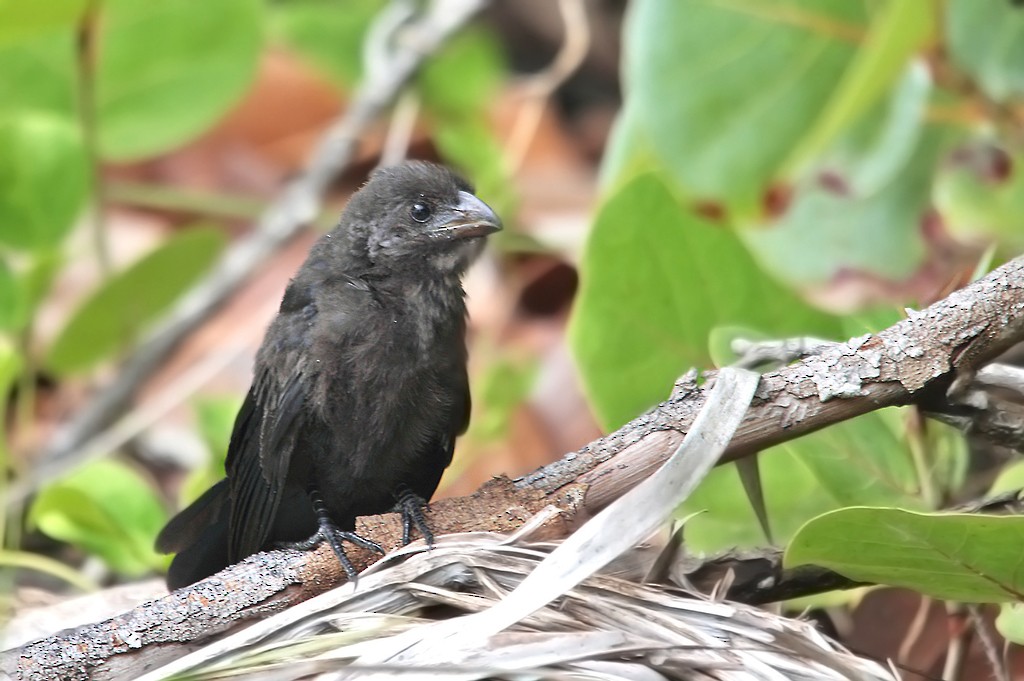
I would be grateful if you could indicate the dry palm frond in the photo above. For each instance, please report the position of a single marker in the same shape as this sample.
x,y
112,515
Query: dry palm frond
x,y
606,628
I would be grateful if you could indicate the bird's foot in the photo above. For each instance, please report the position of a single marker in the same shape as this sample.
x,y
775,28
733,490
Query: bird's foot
x,y
334,535
328,530
411,506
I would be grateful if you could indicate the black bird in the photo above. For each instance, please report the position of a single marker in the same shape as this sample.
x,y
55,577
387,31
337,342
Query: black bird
x,y
360,385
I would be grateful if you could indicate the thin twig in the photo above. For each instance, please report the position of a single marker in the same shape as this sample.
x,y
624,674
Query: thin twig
x,y
296,205
1000,672
542,85
85,62
915,630
403,123
959,642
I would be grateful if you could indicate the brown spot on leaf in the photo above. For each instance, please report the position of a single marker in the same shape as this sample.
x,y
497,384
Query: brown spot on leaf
x,y
710,210
776,200
832,182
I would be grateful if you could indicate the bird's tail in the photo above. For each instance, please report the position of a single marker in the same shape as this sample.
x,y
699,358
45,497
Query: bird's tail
x,y
199,535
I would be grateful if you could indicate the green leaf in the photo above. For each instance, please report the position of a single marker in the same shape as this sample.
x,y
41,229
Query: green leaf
x,y
1010,479
37,277
863,206
986,39
497,393
870,321
861,461
1010,622
331,39
981,193
216,420
20,19
44,180
655,279
629,151
464,76
12,300
725,519
169,70
947,457
727,90
107,509
115,314
958,557
896,33
37,76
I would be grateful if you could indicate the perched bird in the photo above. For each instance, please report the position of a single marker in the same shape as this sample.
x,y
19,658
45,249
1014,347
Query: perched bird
x,y
360,385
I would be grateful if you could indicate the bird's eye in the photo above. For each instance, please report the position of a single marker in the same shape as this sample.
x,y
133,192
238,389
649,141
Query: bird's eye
x,y
420,211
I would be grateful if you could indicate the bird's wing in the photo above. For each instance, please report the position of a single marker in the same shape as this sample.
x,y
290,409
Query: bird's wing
x,y
467,404
460,418
259,457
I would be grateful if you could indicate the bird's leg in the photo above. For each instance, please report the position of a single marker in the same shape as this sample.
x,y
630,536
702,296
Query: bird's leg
x,y
329,531
411,506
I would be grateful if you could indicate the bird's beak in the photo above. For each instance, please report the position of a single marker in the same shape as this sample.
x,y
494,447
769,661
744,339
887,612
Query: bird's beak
x,y
472,217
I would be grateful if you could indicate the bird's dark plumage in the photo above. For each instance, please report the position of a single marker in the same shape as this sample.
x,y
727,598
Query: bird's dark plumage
x,y
360,385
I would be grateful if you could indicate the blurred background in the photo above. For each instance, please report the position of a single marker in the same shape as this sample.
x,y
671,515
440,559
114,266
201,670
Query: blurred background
x,y
673,175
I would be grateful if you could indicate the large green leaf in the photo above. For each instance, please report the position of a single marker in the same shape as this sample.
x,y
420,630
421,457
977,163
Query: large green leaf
x,y
215,417
896,33
107,509
37,75
331,38
958,557
986,39
13,299
729,89
724,518
1010,622
165,71
44,180
629,151
464,76
858,462
20,19
116,313
169,69
655,279
981,193
862,205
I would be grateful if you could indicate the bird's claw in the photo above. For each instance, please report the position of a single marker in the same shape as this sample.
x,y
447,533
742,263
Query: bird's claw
x,y
328,530
334,536
411,506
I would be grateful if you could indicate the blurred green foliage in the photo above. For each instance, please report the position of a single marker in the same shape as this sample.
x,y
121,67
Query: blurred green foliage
x,y
769,148
108,509
106,323
215,417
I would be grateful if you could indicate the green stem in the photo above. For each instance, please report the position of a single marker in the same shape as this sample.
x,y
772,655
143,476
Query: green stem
x,y
88,27
176,198
48,566
916,441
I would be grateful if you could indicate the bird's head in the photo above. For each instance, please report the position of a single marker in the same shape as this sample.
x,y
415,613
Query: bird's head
x,y
417,213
